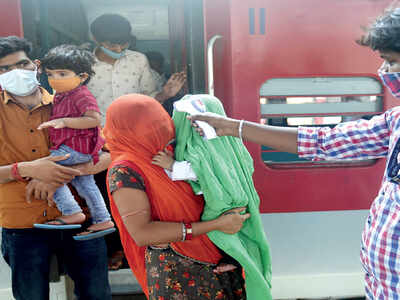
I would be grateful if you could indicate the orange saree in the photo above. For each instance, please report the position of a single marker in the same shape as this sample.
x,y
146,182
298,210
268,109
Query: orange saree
x,y
137,128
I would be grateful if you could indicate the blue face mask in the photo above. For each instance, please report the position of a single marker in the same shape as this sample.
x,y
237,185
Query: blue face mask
x,y
112,54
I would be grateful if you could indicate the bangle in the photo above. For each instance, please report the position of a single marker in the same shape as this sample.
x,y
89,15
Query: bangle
x,y
241,129
189,231
183,232
15,173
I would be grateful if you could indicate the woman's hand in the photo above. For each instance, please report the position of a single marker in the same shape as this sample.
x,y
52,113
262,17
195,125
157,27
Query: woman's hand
x,y
223,125
232,221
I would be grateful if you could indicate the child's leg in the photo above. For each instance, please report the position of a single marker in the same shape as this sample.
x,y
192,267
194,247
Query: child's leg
x,y
65,201
74,158
66,204
88,190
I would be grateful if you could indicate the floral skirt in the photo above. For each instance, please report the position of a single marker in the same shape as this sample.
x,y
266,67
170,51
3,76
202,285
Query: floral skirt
x,y
171,276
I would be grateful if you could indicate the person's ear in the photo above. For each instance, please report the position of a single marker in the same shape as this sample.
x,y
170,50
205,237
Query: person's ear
x,y
84,77
38,66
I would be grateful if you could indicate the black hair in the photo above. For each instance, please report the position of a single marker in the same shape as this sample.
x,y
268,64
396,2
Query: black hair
x,y
156,56
384,33
12,44
111,28
69,57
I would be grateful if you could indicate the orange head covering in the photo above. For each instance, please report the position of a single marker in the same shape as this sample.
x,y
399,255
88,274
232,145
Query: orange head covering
x,y
137,128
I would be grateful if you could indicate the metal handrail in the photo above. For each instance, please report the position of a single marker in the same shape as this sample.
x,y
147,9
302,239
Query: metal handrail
x,y
210,63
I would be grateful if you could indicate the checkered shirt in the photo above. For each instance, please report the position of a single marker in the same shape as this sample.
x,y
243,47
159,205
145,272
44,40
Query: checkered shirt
x,y
392,82
362,139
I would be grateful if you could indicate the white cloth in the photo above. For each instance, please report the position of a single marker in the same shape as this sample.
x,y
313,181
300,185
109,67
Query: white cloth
x,y
130,74
181,170
192,104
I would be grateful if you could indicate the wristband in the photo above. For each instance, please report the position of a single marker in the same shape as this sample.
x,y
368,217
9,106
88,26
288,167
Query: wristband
x,y
189,231
15,173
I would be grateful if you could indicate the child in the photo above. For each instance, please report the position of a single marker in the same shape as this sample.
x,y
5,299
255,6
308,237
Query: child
x,y
74,130
176,170
221,169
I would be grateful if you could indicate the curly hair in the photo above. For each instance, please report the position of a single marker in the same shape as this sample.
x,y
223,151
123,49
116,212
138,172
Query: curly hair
x,y
12,44
384,33
70,57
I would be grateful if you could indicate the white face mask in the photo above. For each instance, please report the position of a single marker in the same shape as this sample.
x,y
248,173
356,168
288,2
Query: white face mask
x,y
19,82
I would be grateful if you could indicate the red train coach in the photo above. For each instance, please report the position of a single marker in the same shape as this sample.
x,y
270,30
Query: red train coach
x,y
280,62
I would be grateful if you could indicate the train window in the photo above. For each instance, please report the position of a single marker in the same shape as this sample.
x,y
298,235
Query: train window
x,y
316,101
48,23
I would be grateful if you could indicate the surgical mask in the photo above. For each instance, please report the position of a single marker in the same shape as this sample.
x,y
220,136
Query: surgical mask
x,y
65,84
392,81
19,82
112,54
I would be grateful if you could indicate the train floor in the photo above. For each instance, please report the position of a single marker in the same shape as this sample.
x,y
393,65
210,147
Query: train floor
x,y
143,297
129,297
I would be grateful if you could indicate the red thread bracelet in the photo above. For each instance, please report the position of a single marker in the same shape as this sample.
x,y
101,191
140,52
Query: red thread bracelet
x,y
15,173
189,231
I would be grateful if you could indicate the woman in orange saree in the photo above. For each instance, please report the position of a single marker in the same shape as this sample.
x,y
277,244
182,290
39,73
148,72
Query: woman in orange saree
x,y
159,219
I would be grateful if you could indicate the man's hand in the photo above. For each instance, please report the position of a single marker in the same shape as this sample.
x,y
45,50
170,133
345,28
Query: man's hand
x,y
45,169
57,124
40,190
172,87
223,125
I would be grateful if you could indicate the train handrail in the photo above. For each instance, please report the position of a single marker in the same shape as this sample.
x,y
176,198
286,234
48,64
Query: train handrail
x,y
210,63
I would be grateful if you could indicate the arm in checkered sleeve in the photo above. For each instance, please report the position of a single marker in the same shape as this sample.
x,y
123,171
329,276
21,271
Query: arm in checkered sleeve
x,y
359,139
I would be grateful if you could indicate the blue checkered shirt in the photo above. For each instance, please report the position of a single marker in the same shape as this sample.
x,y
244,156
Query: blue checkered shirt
x,y
368,139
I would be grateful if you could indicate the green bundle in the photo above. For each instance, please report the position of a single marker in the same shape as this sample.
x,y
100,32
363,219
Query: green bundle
x,y
224,169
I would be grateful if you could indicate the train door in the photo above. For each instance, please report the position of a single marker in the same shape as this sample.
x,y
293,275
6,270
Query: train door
x,y
11,22
290,63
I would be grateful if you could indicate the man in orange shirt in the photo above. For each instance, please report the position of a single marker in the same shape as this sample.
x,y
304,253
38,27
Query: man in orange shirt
x,y
26,166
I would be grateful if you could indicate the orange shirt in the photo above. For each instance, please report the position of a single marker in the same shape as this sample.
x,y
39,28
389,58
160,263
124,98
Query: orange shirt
x,y
21,141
